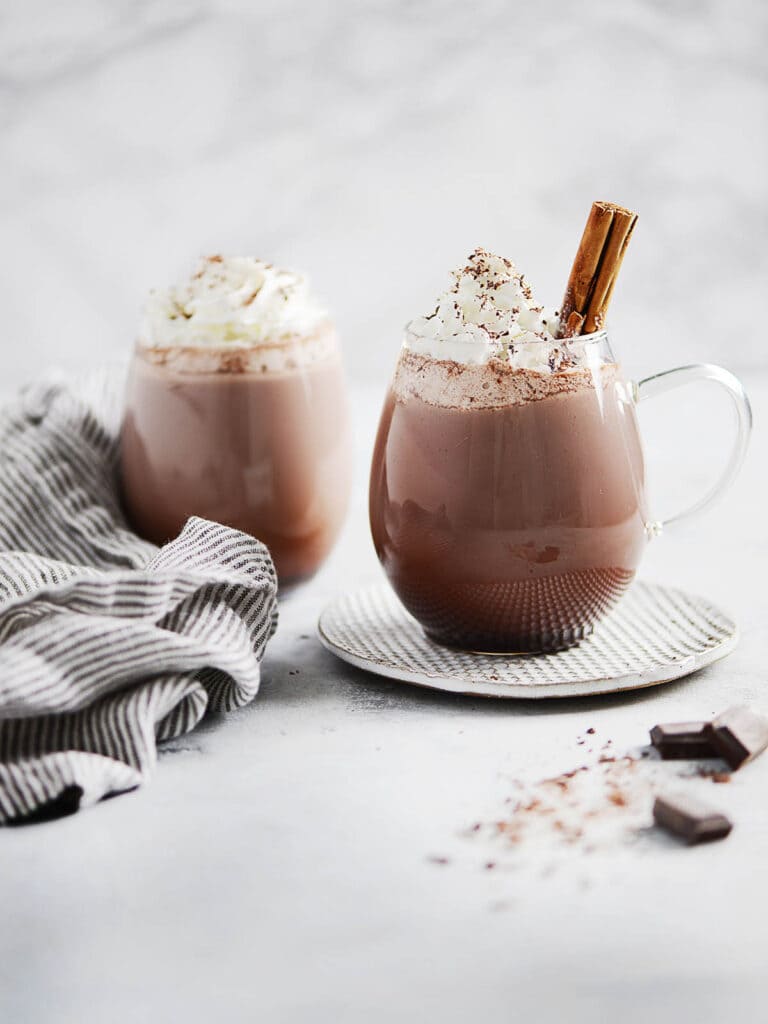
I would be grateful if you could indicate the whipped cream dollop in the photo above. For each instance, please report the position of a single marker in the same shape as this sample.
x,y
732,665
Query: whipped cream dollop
x,y
233,300
490,313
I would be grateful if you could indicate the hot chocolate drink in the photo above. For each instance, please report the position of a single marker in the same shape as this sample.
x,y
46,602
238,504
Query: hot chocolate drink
x,y
508,526
506,492
242,421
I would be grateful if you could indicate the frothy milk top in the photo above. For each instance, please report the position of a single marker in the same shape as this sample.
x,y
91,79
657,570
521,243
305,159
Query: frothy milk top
x,y
495,384
239,310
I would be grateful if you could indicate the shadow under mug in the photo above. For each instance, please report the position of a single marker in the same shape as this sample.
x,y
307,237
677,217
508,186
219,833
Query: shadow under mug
x,y
516,526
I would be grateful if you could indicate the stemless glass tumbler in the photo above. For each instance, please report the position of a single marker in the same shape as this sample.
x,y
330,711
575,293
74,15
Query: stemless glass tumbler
x,y
256,437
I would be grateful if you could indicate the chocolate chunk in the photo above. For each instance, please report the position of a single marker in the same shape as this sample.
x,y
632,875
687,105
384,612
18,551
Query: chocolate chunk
x,y
691,820
738,735
679,740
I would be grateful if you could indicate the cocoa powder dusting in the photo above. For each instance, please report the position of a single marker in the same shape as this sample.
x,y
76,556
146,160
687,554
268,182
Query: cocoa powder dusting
x,y
594,805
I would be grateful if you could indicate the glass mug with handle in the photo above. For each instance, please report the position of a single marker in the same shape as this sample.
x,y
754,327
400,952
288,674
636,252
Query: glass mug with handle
x,y
508,507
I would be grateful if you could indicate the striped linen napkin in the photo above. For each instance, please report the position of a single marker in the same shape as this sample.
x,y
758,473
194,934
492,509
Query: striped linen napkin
x,y
107,643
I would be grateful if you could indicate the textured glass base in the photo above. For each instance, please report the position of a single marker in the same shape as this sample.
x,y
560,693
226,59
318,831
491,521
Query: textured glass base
x,y
516,646
532,615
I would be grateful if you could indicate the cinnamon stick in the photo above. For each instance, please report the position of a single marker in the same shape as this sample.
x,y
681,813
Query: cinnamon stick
x,y
595,268
573,324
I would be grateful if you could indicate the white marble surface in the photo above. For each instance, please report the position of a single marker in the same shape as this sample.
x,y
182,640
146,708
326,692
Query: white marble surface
x,y
278,868
374,144
281,866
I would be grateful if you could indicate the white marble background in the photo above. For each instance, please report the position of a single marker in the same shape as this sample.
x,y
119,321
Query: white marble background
x,y
283,853
374,144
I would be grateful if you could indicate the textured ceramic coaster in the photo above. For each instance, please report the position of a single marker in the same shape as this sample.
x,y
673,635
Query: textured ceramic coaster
x,y
656,634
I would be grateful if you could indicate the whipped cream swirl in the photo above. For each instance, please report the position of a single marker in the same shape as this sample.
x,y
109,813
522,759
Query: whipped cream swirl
x,y
490,313
234,300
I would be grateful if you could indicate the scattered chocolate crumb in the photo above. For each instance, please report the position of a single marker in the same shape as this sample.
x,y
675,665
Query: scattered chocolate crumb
x,y
713,774
562,783
579,816
438,860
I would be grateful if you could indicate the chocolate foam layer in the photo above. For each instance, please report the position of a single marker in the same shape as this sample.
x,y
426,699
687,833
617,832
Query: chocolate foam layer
x,y
491,385
283,356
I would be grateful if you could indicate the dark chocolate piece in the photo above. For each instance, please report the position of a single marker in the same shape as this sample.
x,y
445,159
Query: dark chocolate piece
x,y
679,740
738,735
691,820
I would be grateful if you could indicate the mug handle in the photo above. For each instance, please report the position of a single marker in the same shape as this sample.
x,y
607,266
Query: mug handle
x,y
660,383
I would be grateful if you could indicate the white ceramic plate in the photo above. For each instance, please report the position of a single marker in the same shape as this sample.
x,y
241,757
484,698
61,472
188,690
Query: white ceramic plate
x,y
654,635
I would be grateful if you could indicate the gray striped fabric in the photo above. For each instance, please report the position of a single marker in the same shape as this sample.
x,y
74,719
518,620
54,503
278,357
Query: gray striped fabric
x,y
107,643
